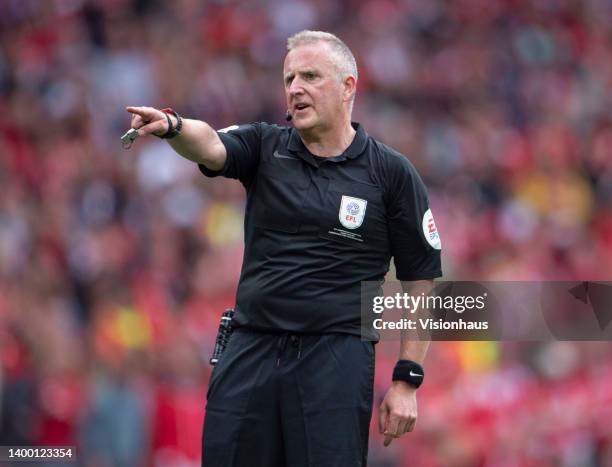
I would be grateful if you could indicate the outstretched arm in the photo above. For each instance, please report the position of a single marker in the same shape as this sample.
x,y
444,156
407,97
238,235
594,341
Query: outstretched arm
x,y
197,141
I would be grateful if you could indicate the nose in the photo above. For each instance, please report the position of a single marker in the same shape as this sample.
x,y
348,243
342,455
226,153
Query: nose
x,y
295,88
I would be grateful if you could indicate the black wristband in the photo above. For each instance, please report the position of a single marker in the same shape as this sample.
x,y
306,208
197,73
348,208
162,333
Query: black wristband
x,y
172,130
410,372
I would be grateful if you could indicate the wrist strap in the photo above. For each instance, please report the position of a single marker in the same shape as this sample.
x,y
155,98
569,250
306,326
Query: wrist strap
x,y
410,372
172,130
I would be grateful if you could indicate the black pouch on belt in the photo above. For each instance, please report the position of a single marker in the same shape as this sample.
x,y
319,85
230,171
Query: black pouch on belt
x,y
223,335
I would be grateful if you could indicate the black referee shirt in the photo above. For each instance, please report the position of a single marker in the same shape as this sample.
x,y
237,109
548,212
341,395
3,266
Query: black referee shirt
x,y
316,227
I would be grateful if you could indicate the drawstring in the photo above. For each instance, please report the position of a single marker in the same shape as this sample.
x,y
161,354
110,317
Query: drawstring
x,y
280,347
282,344
297,339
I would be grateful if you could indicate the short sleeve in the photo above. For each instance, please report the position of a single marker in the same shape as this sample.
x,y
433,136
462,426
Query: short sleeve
x,y
243,146
415,241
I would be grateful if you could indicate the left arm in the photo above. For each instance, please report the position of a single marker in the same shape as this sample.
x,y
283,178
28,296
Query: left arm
x,y
416,248
398,411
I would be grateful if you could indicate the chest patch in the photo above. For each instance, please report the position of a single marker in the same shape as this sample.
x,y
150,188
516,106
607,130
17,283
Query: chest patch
x,y
352,211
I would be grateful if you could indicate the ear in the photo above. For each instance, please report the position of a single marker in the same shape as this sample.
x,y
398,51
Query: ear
x,y
349,87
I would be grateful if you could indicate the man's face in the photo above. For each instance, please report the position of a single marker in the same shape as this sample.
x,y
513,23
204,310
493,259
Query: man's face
x,y
313,88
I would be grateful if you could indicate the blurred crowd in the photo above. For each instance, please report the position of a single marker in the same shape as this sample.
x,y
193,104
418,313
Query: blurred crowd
x,y
116,265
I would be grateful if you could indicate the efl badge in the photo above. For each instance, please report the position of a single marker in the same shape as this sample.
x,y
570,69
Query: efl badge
x,y
352,211
430,231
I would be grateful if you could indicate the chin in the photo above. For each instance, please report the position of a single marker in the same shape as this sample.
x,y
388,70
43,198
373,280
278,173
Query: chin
x,y
304,123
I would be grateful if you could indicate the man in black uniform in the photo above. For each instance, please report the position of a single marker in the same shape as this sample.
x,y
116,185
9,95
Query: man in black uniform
x,y
327,207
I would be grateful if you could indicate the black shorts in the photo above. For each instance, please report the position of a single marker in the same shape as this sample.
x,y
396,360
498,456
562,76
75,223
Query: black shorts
x,y
290,400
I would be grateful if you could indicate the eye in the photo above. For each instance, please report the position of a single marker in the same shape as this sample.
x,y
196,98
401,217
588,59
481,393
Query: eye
x,y
309,75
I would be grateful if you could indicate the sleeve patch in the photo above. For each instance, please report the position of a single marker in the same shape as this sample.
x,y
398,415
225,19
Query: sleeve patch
x,y
430,230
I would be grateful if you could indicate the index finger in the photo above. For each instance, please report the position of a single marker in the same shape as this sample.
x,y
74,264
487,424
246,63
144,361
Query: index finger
x,y
142,111
382,419
392,427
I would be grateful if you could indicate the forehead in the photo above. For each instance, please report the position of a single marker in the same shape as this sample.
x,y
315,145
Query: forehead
x,y
317,55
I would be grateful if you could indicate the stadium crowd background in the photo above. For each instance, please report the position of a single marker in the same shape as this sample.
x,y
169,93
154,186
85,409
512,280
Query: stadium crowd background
x,y
115,265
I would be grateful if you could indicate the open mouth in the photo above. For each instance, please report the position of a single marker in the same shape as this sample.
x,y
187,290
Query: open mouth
x,y
299,107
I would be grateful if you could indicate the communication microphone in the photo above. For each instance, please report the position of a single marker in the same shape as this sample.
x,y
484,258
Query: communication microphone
x,y
288,116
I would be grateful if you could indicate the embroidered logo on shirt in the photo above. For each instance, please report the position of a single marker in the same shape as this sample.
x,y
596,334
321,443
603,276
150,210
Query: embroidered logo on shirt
x,y
278,155
352,211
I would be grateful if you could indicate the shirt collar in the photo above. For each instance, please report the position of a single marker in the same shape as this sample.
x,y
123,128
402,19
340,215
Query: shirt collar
x,y
355,149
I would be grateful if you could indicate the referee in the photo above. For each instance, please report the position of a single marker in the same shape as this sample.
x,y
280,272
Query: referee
x,y
327,207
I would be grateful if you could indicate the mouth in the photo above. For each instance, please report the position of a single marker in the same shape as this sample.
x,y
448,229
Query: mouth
x,y
300,107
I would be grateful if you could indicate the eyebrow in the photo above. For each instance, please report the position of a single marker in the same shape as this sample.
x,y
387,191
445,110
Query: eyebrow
x,y
301,72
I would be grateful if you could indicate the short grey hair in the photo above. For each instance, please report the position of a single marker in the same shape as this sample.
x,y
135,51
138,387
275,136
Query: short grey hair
x,y
344,58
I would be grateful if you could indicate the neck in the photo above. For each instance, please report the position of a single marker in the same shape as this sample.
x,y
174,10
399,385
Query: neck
x,y
330,142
